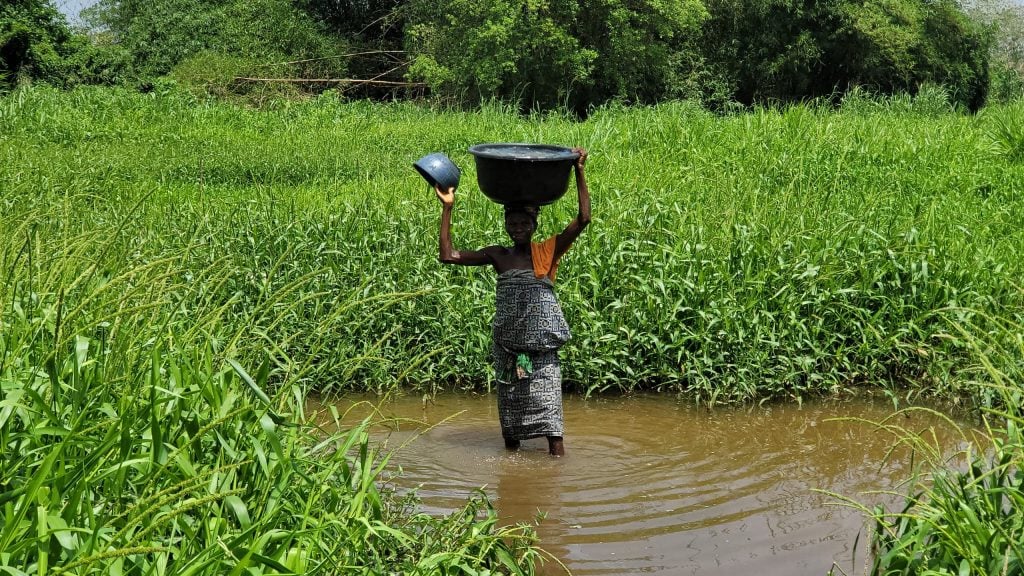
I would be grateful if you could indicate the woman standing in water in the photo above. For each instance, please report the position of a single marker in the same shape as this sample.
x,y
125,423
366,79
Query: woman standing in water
x,y
528,326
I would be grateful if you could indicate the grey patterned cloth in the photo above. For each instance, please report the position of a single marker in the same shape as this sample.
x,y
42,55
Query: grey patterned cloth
x,y
528,330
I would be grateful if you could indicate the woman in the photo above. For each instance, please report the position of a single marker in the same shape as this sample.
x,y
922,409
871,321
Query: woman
x,y
528,325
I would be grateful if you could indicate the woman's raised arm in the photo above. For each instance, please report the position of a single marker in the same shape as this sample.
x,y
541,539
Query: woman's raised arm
x,y
447,254
572,231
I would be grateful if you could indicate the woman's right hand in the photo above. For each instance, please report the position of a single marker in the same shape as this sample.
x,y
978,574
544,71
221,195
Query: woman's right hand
x,y
447,197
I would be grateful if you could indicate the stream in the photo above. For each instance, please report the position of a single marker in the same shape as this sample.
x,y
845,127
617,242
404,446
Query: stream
x,y
651,485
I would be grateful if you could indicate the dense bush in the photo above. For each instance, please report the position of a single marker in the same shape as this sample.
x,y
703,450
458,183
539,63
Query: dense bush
x,y
161,35
545,54
645,51
548,54
1005,21
536,54
473,50
551,54
770,50
35,41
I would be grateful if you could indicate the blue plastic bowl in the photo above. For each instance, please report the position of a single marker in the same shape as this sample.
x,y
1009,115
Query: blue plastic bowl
x,y
438,170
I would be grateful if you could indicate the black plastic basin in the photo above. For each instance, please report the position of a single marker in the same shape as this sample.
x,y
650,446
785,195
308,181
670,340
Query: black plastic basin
x,y
523,174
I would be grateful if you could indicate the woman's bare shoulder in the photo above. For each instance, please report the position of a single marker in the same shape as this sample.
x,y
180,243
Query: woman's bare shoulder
x,y
498,254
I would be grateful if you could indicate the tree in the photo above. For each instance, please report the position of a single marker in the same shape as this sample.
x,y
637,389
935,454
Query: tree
x,y
369,21
772,50
898,45
34,41
1005,20
546,53
506,49
373,30
646,50
161,35
785,50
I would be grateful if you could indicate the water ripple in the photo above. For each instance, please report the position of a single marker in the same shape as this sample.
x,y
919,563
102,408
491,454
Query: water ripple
x,y
654,487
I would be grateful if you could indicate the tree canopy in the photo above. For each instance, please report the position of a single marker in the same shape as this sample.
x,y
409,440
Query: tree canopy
x,y
538,54
34,40
779,50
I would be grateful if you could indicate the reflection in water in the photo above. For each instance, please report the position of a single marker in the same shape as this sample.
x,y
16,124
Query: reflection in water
x,y
654,486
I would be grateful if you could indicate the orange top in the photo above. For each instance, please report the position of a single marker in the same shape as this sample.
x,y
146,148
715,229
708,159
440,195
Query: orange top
x,y
543,255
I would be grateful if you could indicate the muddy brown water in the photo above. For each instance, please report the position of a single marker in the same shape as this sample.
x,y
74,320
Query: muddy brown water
x,y
650,485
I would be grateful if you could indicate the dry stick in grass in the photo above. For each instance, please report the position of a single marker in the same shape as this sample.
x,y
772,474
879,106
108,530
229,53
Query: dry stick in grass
x,y
385,73
351,54
329,81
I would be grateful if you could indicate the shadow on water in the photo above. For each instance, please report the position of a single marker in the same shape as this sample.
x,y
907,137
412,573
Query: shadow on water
x,y
650,485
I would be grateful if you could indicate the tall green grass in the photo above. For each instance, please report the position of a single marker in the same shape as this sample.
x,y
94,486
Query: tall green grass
x,y
153,377
963,513
176,275
772,254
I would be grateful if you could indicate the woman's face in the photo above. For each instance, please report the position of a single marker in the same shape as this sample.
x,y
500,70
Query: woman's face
x,y
520,227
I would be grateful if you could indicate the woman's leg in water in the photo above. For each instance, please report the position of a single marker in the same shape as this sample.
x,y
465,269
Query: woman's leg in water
x,y
555,446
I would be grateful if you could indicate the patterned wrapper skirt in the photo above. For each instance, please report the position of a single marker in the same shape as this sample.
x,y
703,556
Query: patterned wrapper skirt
x,y
531,406
528,329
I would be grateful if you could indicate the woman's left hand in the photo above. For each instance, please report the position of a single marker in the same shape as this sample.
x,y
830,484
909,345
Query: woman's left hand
x,y
582,160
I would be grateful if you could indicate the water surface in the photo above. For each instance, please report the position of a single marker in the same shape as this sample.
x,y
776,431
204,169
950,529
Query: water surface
x,y
650,485
524,152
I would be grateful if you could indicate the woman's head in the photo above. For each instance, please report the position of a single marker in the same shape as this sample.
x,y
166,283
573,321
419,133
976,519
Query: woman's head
x,y
521,222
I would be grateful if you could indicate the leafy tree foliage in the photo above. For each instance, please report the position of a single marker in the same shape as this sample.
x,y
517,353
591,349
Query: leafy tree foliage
x,y
1005,20
373,30
161,34
370,21
34,40
900,45
536,53
544,53
645,49
770,49
505,49
783,50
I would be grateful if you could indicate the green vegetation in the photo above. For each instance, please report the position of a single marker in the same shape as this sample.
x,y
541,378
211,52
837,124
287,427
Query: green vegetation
x,y
781,51
962,514
550,54
532,55
153,370
776,254
1002,18
960,522
258,34
36,43
176,275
